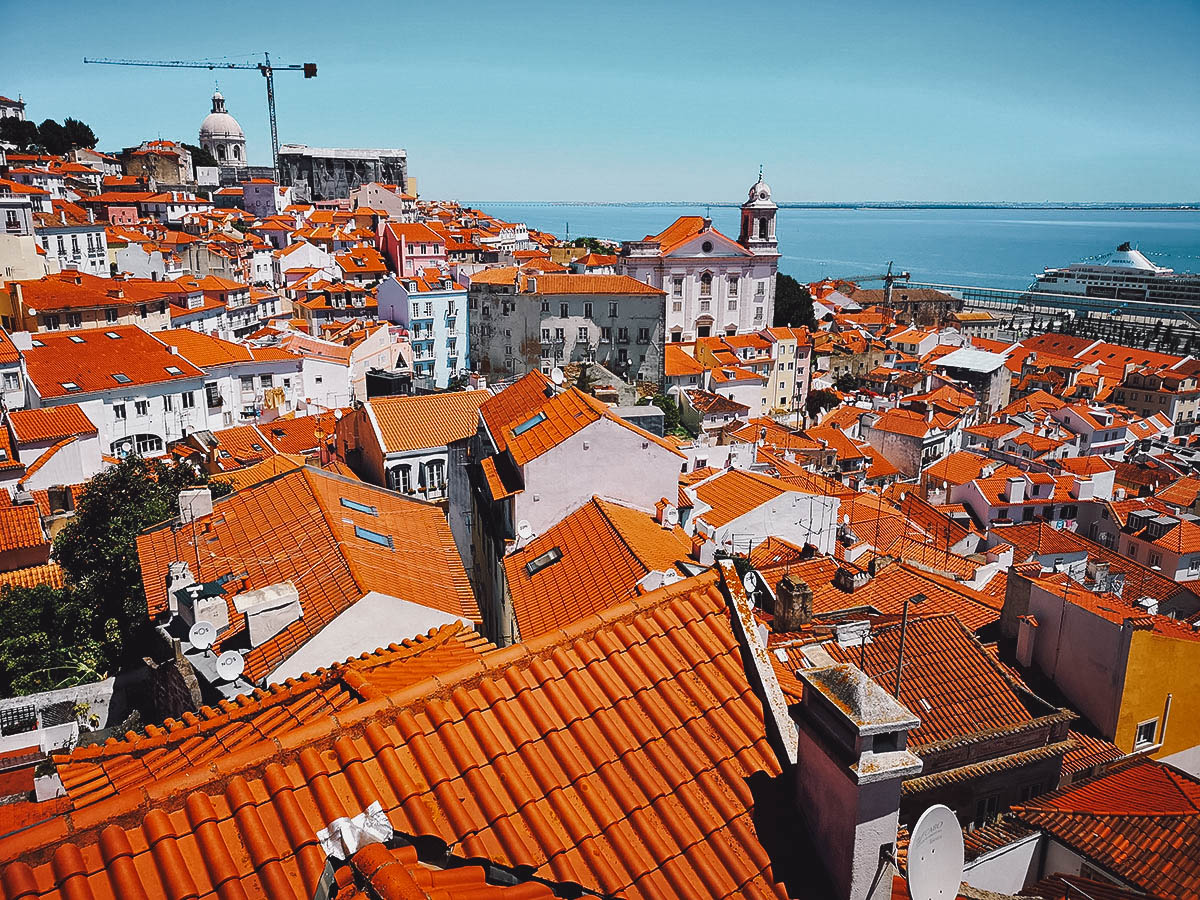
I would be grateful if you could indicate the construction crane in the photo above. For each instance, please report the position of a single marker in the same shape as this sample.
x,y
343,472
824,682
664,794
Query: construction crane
x,y
888,278
265,67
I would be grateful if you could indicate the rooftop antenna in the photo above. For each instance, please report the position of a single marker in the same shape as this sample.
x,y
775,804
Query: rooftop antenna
x,y
760,168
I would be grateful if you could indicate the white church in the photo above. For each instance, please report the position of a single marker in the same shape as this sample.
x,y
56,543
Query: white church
x,y
714,285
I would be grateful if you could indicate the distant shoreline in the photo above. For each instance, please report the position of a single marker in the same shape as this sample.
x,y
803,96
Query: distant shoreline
x,y
873,205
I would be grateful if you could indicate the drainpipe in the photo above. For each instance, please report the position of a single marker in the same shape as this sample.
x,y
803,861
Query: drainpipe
x,y
1162,729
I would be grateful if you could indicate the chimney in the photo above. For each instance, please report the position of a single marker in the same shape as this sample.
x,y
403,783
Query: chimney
x,y
179,576
268,610
793,604
1026,638
852,758
1016,490
531,285
194,503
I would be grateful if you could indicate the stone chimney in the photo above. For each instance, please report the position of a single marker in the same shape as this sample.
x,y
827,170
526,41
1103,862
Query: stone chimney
x,y
851,760
793,604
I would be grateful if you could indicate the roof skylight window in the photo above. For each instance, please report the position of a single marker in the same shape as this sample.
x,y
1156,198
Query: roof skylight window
x,y
76,339
374,537
112,335
37,343
174,370
121,378
529,423
359,507
549,558
70,386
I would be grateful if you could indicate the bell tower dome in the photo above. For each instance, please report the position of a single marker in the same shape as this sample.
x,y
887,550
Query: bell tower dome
x,y
222,136
758,219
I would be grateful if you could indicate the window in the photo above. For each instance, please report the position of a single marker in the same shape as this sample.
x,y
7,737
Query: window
x,y
559,335
677,306
142,407
986,809
1144,736
121,378
706,285
549,558
428,308
1155,559
50,323
605,333
62,250
247,384
758,312
188,399
623,335
612,310
143,311
359,507
174,370
119,411
148,443
74,320
74,245
12,381
546,335
761,289
70,387
537,419
583,332
545,306
733,286
168,403
733,305
374,537
587,310
564,310
677,287
643,335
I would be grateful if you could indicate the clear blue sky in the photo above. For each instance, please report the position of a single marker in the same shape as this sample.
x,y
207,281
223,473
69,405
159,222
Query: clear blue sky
x,y
665,100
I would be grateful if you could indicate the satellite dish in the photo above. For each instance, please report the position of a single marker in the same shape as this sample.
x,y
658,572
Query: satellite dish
x,y
524,530
556,375
337,415
230,665
750,582
671,516
670,576
935,855
202,635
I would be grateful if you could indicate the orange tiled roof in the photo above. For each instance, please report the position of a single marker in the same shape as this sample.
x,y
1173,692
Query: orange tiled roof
x,y
735,492
606,550
20,528
1140,824
99,771
429,420
678,362
954,683
240,446
299,435
552,283
49,574
319,549
276,464
50,423
96,357
619,754
1181,493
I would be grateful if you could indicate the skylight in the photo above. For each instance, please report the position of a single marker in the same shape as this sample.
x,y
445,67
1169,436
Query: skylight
x,y
359,507
374,537
70,386
113,335
174,370
76,339
549,558
529,423
121,378
37,343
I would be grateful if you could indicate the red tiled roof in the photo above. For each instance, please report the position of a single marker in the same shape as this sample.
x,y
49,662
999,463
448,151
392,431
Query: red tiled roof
x,y
50,423
241,446
92,361
606,550
429,420
552,283
78,290
950,681
1088,752
619,754
49,574
735,492
1140,824
295,528
299,435
20,528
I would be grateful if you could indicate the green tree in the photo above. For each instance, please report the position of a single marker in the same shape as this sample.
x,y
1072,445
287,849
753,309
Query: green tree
x,y
819,401
49,638
592,245
79,134
793,303
21,133
53,137
670,410
97,548
584,380
200,156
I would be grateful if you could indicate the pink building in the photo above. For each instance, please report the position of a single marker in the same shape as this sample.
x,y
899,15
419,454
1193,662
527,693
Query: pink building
x,y
411,248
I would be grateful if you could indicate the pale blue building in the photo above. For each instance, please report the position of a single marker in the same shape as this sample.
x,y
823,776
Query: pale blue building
x,y
434,310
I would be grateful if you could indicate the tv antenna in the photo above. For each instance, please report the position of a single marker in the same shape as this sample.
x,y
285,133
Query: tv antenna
x,y
935,855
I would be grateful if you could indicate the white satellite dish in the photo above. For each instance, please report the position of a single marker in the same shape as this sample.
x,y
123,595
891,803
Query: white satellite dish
x,y
524,530
230,665
670,576
337,415
556,375
935,855
671,516
750,582
202,635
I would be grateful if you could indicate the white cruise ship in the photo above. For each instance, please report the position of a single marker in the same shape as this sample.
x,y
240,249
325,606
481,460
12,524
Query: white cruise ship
x,y
1124,274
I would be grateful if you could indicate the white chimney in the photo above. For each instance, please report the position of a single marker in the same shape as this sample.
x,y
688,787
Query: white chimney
x,y
852,758
1016,490
269,610
194,503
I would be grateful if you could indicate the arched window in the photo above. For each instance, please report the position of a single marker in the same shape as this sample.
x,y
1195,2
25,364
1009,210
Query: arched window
x,y
237,152
706,285
220,151
762,229
400,478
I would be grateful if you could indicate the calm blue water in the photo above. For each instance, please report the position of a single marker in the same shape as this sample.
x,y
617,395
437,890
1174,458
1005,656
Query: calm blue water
x,y
993,247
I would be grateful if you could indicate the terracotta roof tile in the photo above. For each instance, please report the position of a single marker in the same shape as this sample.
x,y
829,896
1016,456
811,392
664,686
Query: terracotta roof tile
x,y
50,423
50,574
429,420
1140,824
21,528
735,492
606,549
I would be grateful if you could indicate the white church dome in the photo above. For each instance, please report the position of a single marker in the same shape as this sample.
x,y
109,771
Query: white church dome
x,y
220,125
